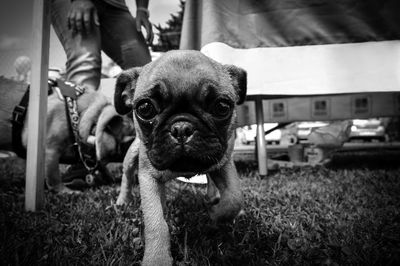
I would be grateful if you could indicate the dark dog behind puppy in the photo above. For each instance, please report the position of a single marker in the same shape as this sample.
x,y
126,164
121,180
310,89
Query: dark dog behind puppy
x,y
184,113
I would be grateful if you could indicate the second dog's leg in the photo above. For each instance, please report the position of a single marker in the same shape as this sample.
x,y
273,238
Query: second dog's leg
x,y
157,240
129,166
227,181
53,180
213,196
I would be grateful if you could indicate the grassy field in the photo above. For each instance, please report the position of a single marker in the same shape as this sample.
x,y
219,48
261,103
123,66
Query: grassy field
x,y
347,213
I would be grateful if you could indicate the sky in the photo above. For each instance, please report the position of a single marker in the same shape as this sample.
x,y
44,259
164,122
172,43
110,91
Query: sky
x,y
16,30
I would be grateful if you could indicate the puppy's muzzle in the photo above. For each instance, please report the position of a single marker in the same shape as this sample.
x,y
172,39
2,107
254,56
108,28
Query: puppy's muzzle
x,y
182,131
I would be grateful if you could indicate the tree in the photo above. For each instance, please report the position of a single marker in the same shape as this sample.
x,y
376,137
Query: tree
x,y
170,35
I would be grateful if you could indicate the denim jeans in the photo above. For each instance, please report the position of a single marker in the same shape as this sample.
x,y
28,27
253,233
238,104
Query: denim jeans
x,y
116,36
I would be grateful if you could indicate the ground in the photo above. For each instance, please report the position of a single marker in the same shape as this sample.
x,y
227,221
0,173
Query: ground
x,y
345,213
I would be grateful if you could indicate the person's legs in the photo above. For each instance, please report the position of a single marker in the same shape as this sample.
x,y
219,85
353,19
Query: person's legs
x,y
119,37
83,51
83,59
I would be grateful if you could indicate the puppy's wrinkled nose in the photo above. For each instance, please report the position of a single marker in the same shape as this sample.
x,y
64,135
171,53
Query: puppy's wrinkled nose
x,y
182,130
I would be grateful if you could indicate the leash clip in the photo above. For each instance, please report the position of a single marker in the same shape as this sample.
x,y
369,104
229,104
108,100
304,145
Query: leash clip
x,y
18,114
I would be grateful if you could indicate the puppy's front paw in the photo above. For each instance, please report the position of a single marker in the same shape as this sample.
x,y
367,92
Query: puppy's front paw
x,y
126,196
123,199
62,189
158,260
225,210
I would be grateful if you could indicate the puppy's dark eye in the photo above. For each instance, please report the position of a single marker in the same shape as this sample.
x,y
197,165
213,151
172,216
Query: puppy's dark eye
x,y
222,108
146,109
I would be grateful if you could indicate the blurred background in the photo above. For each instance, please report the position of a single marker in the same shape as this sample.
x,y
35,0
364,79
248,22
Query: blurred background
x,y
16,34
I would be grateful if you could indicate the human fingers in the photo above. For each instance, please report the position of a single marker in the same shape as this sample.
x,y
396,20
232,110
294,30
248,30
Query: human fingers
x,y
87,23
71,20
138,24
96,18
149,30
79,22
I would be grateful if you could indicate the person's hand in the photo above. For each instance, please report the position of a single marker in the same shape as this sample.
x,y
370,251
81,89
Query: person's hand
x,y
142,19
82,16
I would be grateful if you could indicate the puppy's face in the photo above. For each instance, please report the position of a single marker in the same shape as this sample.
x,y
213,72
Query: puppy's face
x,y
184,109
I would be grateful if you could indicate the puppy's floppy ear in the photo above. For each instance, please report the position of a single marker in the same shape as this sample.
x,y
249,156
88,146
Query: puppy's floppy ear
x,y
124,90
239,81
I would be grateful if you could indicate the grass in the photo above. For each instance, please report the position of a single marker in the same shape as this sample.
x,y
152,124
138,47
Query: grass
x,y
347,213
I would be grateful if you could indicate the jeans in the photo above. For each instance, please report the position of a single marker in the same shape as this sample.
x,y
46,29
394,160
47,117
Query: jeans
x,y
116,36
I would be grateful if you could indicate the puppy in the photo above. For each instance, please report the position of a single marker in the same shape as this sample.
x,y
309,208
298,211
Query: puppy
x,y
184,114
97,116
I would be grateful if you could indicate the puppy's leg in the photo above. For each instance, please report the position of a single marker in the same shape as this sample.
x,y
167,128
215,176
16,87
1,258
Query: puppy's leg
x,y
227,181
213,196
157,239
130,163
